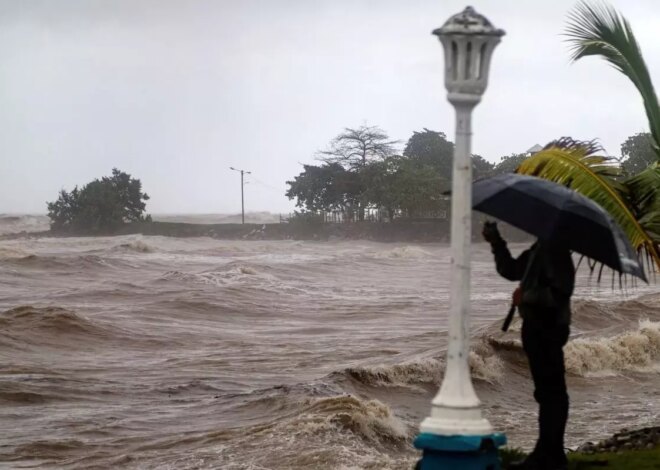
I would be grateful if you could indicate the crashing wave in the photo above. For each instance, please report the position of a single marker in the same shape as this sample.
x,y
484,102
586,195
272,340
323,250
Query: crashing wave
x,y
629,351
488,368
484,365
426,371
403,252
232,274
247,270
371,420
637,350
336,431
137,246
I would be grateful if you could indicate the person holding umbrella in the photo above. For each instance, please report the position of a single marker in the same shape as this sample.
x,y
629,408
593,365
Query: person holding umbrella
x,y
563,222
547,278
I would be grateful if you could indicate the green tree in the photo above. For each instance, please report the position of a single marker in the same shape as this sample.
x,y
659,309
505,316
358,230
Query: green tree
x,y
431,148
360,172
329,187
481,168
420,188
509,164
637,153
101,206
405,186
379,182
354,148
63,212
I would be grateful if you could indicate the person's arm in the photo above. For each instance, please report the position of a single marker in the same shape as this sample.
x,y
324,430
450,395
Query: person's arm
x,y
507,266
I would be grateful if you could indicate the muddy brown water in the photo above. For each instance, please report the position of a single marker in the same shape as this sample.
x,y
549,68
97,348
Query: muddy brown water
x,y
149,352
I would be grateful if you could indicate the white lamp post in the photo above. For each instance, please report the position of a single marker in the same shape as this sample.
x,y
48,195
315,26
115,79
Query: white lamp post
x,y
468,39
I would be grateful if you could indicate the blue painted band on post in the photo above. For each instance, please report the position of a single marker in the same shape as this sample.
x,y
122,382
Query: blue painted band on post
x,y
458,443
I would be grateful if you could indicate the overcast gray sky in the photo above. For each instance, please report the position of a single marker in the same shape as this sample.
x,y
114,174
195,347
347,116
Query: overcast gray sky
x,y
175,92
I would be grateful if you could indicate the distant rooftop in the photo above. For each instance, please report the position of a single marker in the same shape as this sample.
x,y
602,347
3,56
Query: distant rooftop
x,y
536,148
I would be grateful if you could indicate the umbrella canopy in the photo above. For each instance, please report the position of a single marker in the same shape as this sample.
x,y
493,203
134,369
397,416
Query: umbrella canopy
x,y
555,213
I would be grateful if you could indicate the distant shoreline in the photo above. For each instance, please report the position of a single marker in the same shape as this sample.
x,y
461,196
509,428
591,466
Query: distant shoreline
x,y
404,230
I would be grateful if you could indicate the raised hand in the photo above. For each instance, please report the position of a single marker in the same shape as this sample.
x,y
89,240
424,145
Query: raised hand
x,y
491,233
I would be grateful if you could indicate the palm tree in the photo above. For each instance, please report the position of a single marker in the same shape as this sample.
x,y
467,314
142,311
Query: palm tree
x,y
634,202
602,31
575,164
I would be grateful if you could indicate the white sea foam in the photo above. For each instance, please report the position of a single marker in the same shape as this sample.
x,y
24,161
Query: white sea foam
x,y
633,350
403,252
484,365
137,246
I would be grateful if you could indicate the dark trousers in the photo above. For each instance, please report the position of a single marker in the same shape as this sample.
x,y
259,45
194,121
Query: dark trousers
x,y
543,345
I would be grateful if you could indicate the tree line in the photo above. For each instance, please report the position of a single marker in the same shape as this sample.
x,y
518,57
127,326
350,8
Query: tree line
x,y
360,170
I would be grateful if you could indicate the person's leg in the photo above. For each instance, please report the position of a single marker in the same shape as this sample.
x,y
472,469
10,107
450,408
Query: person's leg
x,y
556,402
530,341
533,350
548,372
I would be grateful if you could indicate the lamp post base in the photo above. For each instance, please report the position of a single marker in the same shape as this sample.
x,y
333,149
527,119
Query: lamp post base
x,y
445,421
459,452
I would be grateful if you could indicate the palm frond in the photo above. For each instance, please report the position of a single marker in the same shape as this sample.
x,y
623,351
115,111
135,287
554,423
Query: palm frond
x,y
601,31
644,191
569,164
588,147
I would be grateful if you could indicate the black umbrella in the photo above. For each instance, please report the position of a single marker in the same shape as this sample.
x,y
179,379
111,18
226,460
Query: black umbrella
x,y
550,211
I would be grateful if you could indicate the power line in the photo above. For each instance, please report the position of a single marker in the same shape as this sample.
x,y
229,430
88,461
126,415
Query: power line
x,y
267,185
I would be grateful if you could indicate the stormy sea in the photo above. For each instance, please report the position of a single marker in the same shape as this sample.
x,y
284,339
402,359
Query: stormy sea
x,y
162,353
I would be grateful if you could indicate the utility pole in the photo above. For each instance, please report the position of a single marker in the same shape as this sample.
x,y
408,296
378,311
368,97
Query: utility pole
x,y
242,199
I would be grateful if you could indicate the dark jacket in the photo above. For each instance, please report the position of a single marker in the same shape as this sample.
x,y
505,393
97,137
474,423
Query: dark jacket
x,y
547,278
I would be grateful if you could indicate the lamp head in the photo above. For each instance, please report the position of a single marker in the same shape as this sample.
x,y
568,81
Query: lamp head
x,y
468,39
